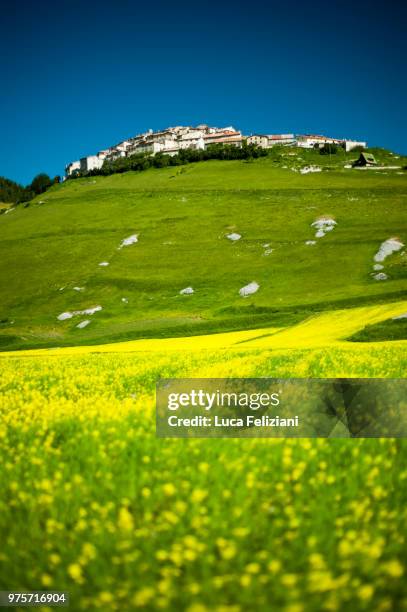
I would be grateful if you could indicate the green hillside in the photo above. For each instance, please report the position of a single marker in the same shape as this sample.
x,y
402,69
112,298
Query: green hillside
x,y
182,217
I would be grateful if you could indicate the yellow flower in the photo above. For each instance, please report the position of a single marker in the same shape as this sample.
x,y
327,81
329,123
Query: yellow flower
x,y
274,566
106,597
374,550
170,517
393,568
190,555
161,555
181,506
245,580
321,581
89,551
241,532
45,484
253,568
125,521
198,495
46,580
229,551
317,561
75,572
294,607
191,541
169,489
365,592
289,580
345,548
143,596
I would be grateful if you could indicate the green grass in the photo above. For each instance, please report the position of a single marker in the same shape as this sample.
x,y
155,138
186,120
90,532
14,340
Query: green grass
x,y
392,329
182,216
93,503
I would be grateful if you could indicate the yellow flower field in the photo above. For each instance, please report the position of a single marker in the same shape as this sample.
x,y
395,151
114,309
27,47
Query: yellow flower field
x,y
94,504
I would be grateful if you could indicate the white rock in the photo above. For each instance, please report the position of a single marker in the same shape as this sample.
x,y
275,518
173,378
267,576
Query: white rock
x,y
311,242
83,324
128,241
380,276
378,267
268,252
387,248
187,291
89,311
104,264
233,236
65,315
309,169
79,288
249,289
323,225
68,315
324,222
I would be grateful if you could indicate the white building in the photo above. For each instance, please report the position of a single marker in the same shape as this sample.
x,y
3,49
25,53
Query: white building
x,y
70,168
113,154
270,140
147,147
191,140
123,146
280,139
92,162
311,141
352,144
225,136
259,140
171,140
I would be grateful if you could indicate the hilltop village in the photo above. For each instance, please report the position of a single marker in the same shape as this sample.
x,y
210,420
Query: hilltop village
x,y
173,139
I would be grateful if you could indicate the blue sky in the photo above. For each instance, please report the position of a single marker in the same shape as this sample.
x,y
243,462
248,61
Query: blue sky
x,y
77,77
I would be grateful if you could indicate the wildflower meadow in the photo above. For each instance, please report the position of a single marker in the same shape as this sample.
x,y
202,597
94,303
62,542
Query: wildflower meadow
x,y
94,504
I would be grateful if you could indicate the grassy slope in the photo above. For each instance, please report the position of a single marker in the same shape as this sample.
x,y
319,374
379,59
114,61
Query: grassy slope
x,y
329,329
391,329
182,216
122,520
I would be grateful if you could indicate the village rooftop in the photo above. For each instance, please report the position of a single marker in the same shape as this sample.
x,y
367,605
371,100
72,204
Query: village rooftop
x,y
173,139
